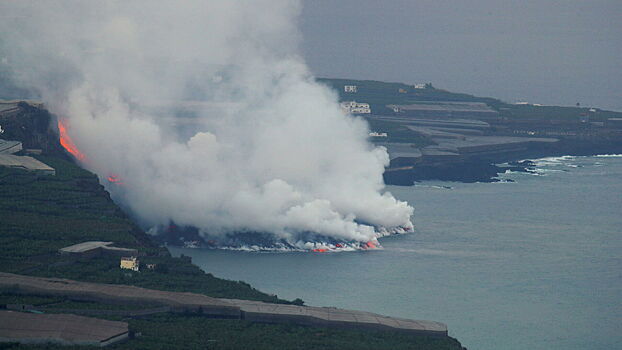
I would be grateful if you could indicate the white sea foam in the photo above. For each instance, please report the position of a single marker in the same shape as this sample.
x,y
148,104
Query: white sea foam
x,y
439,187
313,247
552,161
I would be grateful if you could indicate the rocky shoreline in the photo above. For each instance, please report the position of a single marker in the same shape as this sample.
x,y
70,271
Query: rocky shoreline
x,y
488,169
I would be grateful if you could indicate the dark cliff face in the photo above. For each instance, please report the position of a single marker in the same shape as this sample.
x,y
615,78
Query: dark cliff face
x,y
485,169
32,125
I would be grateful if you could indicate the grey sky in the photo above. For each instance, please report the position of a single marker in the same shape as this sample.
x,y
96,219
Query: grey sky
x,y
551,52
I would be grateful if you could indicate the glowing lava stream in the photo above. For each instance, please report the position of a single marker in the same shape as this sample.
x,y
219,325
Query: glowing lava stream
x,y
362,246
115,179
67,142
70,146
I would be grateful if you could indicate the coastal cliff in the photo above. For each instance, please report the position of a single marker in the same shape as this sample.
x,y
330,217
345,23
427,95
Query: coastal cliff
x,y
41,214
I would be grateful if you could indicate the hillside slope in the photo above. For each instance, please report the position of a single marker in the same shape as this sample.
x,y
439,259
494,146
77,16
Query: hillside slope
x,y
40,214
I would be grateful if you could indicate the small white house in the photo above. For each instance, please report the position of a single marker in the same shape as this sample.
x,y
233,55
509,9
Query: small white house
x,y
378,134
350,88
130,263
419,86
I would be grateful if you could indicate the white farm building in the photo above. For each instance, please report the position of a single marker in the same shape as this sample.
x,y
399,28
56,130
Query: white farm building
x,y
354,107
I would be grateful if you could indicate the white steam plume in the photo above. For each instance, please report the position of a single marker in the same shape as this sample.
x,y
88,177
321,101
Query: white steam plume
x,y
207,114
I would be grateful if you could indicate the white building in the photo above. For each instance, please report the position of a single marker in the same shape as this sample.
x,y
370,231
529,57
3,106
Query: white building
x,y
350,88
130,263
419,86
378,134
354,107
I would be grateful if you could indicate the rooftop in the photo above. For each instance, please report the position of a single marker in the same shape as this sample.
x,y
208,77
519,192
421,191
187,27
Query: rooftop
x,y
7,106
435,122
116,293
249,310
331,316
10,147
25,163
446,106
84,247
11,105
59,328
471,142
88,246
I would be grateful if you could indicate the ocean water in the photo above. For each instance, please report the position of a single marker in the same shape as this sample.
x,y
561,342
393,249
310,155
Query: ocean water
x,y
530,264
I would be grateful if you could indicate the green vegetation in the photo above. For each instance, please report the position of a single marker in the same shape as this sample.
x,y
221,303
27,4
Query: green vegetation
x,y
83,305
41,214
53,303
179,275
169,331
6,298
553,113
191,331
198,333
379,94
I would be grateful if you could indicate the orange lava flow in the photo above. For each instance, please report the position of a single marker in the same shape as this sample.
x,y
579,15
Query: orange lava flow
x,y
115,179
67,142
320,250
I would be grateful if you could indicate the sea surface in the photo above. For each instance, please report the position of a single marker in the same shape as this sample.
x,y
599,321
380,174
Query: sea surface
x,y
530,264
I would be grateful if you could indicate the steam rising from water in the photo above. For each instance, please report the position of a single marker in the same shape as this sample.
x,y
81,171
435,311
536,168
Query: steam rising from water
x,y
206,112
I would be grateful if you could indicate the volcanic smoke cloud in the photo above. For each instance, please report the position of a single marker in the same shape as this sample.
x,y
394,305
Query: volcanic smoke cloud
x,y
206,112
